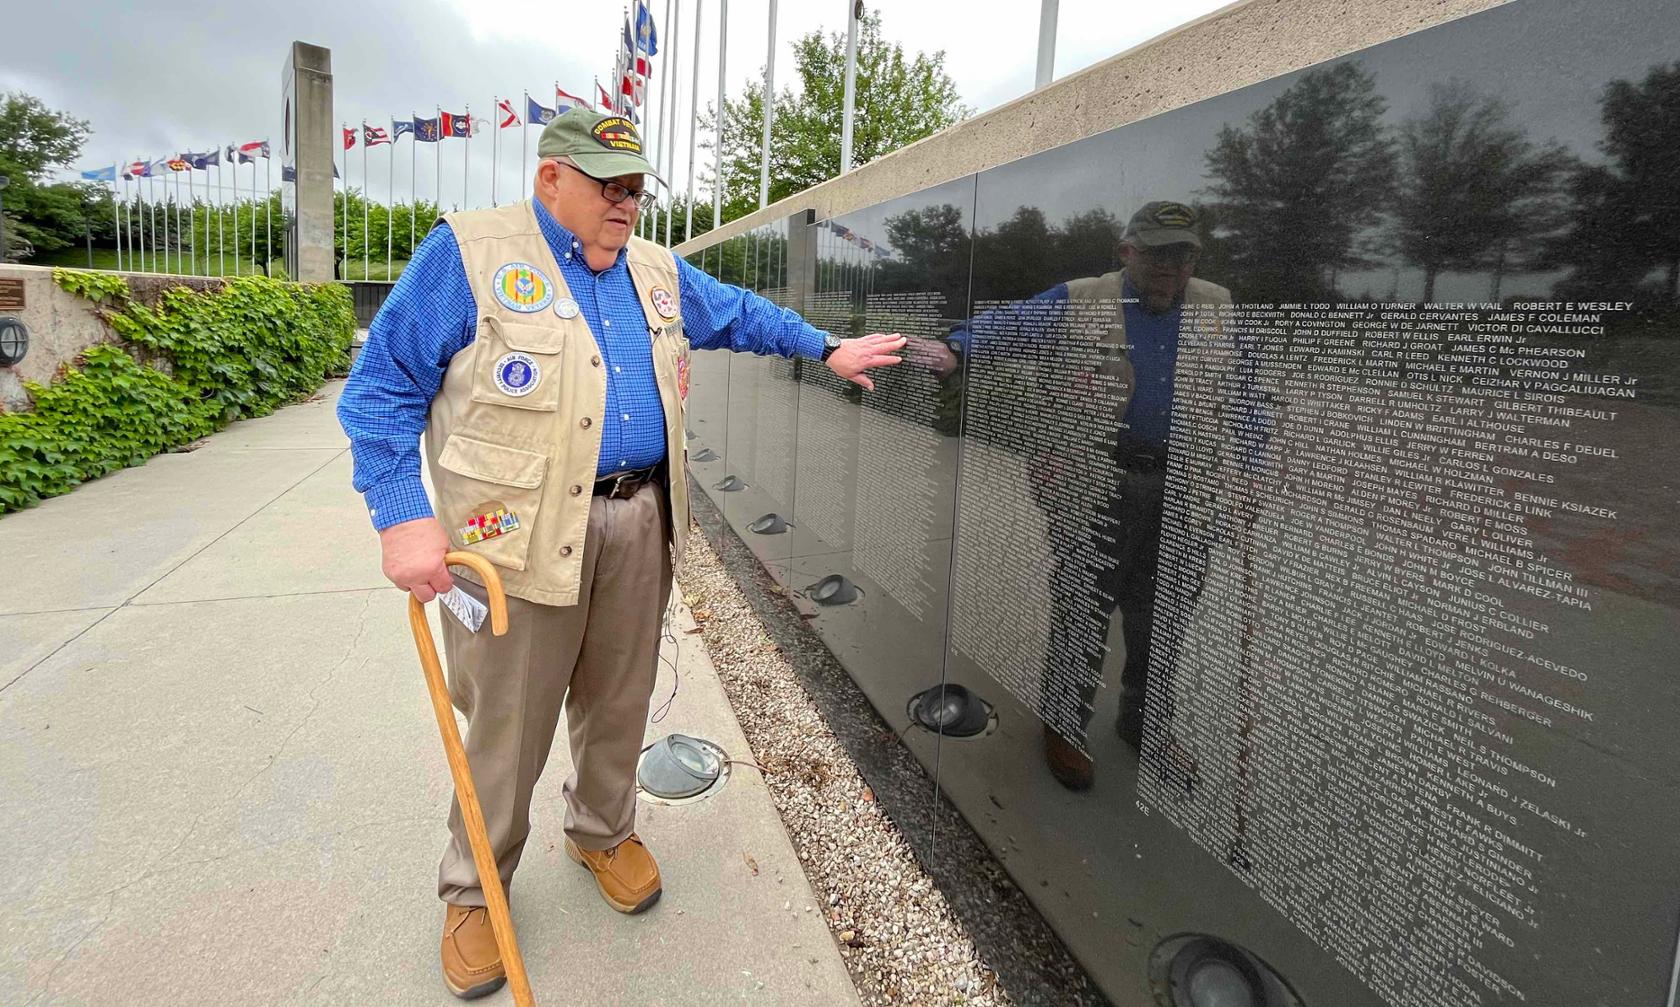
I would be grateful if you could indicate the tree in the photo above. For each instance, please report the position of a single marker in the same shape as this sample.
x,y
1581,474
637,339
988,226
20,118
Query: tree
x,y
33,140
898,100
1475,194
1295,188
1626,220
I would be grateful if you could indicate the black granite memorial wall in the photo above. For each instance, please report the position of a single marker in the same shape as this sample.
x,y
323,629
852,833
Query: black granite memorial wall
x,y
1288,483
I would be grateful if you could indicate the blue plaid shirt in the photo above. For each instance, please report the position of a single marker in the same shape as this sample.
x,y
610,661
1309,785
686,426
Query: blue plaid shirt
x,y
431,315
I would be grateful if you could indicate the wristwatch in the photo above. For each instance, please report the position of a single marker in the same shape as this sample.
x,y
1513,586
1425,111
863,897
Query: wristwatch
x,y
831,342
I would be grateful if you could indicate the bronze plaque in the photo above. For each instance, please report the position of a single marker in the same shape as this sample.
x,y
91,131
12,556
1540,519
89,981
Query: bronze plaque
x,y
11,295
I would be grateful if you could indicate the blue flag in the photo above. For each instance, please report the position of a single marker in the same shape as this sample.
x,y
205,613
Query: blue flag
x,y
428,130
399,127
203,161
105,174
536,114
646,37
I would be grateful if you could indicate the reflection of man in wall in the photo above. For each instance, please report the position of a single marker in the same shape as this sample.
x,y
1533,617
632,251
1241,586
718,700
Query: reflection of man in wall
x,y
1158,250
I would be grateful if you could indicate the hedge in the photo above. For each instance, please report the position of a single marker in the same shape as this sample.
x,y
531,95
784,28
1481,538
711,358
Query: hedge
x,y
185,367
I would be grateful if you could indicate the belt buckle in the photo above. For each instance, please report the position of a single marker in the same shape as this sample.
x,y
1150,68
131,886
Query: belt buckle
x,y
618,483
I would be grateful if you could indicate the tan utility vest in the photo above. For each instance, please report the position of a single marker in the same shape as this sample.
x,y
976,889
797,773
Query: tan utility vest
x,y
515,428
1111,287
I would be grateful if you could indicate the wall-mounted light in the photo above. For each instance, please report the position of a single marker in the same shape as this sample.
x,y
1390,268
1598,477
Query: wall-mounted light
x,y
14,341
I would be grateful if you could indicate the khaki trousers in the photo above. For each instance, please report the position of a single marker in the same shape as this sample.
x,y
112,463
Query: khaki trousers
x,y
597,658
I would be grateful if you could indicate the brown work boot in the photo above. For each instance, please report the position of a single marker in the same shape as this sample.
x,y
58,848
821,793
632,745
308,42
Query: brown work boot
x,y
626,874
1071,767
472,964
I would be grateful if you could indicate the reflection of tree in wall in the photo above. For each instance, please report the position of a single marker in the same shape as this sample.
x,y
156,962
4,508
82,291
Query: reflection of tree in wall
x,y
930,247
1626,221
1297,185
1475,194
1025,255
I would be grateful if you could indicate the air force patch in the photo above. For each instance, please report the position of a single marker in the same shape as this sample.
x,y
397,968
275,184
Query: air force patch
x,y
517,374
522,287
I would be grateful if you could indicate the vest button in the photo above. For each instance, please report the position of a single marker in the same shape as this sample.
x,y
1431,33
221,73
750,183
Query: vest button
x,y
586,422
565,550
576,490
595,361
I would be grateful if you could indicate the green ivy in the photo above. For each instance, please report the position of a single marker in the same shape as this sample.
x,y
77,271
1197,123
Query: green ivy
x,y
215,357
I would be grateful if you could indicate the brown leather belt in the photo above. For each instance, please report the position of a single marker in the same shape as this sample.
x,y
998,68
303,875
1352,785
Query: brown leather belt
x,y
624,485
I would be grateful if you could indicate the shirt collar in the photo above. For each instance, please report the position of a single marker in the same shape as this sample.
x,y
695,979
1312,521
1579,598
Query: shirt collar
x,y
561,240
1133,299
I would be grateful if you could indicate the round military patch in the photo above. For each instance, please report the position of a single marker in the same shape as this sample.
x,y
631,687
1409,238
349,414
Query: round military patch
x,y
517,374
565,307
522,287
663,302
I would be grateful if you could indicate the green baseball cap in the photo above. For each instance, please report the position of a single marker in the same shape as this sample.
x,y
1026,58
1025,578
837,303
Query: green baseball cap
x,y
603,144
1163,222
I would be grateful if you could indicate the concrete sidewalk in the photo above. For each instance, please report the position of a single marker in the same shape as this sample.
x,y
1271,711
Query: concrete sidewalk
x,y
220,780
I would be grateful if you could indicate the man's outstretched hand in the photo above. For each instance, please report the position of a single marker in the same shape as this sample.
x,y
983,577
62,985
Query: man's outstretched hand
x,y
412,557
856,356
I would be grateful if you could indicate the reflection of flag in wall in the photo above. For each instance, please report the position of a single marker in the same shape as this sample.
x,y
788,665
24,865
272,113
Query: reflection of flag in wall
x,y
373,136
538,115
427,130
509,116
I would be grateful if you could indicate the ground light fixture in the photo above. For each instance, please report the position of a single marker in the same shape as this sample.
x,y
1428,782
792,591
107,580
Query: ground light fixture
x,y
769,524
681,769
731,484
1201,970
834,589
705,455
951,710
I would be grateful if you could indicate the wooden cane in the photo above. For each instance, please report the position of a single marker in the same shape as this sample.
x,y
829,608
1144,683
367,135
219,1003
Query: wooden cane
x,y
489,878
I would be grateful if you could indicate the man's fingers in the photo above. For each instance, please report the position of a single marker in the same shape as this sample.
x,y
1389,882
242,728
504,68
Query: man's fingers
x,y
863,379
440,581
424,593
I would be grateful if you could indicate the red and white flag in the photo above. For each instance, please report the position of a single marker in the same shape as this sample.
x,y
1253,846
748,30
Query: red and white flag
x,y
606,99
568,99
509,116
373,136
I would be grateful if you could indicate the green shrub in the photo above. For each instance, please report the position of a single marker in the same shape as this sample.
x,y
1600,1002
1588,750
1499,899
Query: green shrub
x,y
221,355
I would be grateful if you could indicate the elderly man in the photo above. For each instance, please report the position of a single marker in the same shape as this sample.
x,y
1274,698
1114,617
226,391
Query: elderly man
x,y
544,352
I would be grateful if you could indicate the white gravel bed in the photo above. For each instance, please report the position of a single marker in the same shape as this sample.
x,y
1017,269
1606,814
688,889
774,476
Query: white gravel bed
x,y
899,939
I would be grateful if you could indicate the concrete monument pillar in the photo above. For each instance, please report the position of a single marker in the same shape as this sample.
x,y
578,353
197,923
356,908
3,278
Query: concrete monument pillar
x,y
306,162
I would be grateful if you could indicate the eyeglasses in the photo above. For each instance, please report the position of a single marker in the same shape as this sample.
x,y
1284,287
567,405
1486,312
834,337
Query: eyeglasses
x,y
1170,256
614,192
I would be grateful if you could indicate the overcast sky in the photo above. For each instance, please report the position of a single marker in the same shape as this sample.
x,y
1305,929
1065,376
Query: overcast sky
x,y
156,78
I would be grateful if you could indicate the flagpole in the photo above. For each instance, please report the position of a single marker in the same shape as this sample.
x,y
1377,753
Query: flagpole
x,y
141,193
495,144
166,218
344,155
769,112
221,241
180,267
192,221
849,100
116,214
664,101
693,100
236,235
413,160
437,158
268,205
673,29
717,152
525,143
466,149
390,205
364,202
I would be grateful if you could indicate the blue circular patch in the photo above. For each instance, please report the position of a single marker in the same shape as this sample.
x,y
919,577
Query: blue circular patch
x,y
517,374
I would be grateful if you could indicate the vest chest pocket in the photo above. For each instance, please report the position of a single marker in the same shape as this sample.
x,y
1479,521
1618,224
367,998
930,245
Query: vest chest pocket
x,y
519,363
489,500
670,358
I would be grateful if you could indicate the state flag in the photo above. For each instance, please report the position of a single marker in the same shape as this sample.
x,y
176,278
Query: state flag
x,y
456,125
606,99
373,136
509,116
565,100
349,138
256,148
179,164
105,174
536,114
646,37
204,162
237,156
399,127
427,130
